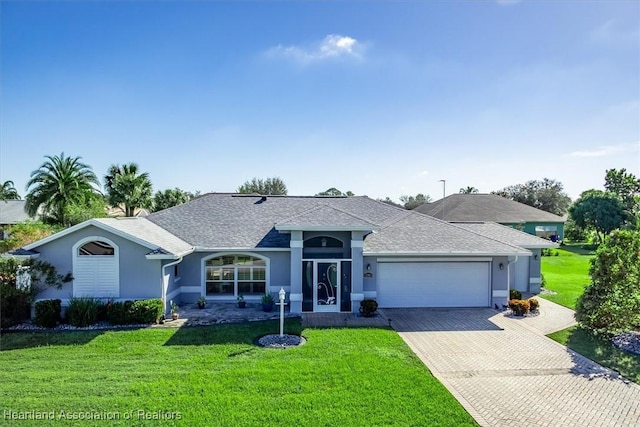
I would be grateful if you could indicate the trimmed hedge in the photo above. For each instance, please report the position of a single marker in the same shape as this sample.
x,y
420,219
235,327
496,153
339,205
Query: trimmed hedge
x,y
515,294
48,313
534,304
133,312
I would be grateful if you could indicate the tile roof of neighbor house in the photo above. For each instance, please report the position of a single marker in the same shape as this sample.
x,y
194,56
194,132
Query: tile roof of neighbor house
x,y
249,221
506,234
13,212
485,207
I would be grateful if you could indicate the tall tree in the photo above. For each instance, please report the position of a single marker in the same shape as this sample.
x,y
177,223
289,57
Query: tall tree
x,y
127,187
58,183
169,198
269,186
8,191
627,187
469,190
335,192
547,195
411,202
598,210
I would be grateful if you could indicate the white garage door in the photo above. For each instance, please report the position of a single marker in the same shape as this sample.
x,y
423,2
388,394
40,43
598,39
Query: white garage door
x,y
433,284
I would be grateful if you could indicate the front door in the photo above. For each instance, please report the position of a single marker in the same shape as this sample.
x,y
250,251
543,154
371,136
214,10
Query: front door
x,y
326,293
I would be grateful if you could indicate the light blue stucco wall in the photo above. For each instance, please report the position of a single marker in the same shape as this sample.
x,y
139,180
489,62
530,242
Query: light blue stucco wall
x,y
499,281
191,273
140,278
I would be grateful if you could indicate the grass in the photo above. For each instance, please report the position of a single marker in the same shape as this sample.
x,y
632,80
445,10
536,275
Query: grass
x,y
566,274
600,349
216,376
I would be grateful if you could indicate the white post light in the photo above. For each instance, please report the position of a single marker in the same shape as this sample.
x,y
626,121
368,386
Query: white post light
x,y
281,296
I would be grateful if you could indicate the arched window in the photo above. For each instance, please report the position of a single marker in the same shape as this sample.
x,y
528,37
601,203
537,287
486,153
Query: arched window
x,y
96,247
96,268
235,274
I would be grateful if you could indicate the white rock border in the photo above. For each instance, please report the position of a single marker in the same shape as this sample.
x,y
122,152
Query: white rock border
x,y
276,341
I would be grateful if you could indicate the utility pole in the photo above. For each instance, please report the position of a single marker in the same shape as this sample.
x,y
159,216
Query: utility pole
x,y
444,194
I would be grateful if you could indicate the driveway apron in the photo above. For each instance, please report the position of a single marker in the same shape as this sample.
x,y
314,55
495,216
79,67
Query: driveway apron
x,y
505,372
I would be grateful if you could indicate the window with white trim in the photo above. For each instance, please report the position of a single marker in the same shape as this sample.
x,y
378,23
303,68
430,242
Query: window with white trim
x,y
233,275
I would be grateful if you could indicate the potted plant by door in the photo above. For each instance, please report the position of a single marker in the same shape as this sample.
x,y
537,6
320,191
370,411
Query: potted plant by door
x,y
267,303
241,302
202,302
174,310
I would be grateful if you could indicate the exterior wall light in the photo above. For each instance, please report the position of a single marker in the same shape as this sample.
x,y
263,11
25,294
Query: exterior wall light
x,y
501,265
368,267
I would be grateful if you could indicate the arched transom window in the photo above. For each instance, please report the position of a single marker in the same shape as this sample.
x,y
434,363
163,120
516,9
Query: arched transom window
x,y
96,247
233,275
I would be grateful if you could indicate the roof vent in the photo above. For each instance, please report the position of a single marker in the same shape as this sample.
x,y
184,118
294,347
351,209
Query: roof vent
x,y
263,198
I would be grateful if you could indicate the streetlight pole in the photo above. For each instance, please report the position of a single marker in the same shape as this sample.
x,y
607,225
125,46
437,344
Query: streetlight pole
x,y
444,194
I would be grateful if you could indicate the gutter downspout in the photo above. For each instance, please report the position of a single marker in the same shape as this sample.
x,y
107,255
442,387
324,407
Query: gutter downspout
x,y
509,263
164,286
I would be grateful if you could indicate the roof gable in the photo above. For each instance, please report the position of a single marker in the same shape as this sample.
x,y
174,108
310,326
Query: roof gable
x,y
506,234
328,218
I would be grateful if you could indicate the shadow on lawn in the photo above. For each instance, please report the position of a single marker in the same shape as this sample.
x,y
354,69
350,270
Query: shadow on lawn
x,y
22,340
600,349
231,333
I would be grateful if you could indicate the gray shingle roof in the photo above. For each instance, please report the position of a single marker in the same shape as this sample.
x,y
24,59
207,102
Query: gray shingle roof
x,y
485,207
149,232
12,212
506,234
325,216
417,233
246,221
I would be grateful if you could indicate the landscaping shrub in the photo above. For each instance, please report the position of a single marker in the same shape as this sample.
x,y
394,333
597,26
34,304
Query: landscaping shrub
x,y
119,313
15,304
534,304
83,311
611,303
519,307
48,313
133,312
515,294
368,307
147,310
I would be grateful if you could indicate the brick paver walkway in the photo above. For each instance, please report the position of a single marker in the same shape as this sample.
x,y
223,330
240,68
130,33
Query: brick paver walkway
x,y
505,372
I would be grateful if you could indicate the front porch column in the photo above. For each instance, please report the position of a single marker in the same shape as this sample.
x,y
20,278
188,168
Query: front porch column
x,y
295,297
357,286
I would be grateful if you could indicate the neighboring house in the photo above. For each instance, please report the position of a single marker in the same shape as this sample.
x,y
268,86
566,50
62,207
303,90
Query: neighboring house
x,y
328,253
526,272
11,212
494,208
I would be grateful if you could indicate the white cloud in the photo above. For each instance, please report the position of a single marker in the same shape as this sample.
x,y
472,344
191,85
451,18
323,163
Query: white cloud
x,y
332,46
605,150
614,33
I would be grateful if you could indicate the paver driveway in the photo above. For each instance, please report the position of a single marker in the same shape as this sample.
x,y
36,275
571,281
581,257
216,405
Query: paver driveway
x,y
506,373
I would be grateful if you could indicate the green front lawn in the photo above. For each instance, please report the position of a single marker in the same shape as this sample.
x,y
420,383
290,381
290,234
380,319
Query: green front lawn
x,y
599,349
567,274
216,376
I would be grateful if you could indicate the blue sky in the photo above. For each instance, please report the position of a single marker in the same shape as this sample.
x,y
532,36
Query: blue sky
x,y
380,98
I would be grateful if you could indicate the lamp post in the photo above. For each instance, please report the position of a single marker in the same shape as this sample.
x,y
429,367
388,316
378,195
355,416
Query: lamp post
x,y
444,194
281,296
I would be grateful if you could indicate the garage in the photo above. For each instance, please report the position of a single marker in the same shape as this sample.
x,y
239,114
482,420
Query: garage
x,y
433,284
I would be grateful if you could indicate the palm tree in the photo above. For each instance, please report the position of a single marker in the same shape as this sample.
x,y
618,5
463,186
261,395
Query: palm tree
x,y
58,183
8,191
126,186
469,190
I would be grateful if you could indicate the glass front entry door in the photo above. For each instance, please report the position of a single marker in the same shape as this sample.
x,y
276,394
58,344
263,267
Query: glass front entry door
x,y
327,286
